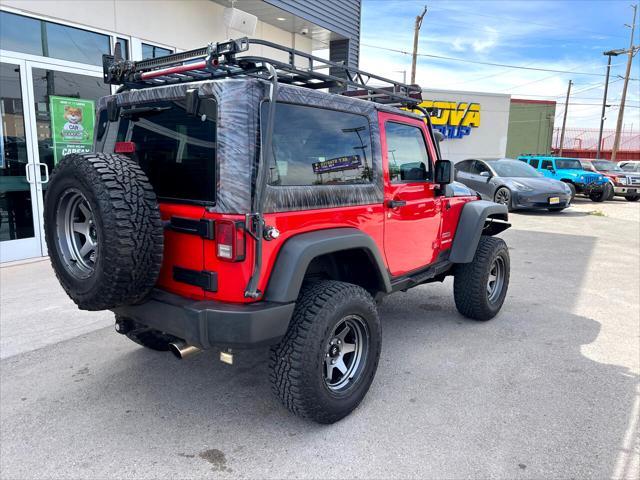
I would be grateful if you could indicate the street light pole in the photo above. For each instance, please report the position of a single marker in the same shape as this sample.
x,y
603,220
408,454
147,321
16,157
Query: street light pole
x,y
610,53
632,50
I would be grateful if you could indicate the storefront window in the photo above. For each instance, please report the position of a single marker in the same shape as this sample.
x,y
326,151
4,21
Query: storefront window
x,y
124,47
152,51
71,85
39,37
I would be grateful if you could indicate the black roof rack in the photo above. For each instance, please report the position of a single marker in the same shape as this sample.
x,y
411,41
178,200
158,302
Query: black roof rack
x,y
221,60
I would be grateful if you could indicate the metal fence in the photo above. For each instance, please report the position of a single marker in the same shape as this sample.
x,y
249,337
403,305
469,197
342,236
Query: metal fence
x,y
587,139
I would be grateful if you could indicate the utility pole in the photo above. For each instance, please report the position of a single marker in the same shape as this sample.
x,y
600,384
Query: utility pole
x,y
610,53
564,120
616,141
416,34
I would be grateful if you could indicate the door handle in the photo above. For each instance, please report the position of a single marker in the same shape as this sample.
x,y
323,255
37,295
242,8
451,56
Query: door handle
x,y
46,172
27,172
396,203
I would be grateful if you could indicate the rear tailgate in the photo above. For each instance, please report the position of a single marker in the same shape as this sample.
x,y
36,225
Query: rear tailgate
x,y
177,151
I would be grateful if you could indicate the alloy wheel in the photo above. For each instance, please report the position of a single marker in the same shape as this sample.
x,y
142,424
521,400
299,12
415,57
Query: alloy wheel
x,y
346,353
77,236
495,281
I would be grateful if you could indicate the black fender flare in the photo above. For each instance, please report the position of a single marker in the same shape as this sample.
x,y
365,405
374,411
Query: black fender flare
x,y
298,251
471,227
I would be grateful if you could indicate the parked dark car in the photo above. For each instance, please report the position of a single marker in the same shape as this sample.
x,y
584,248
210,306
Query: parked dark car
x,y
513,183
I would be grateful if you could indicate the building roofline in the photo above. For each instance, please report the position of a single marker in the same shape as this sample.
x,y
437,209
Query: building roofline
x,y
539,102
465,92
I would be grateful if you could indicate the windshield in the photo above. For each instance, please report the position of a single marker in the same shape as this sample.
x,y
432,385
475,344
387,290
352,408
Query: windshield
x,y
629,167
606,165
513,168
568,164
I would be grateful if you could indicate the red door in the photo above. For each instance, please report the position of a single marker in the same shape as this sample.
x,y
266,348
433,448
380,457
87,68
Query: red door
x,y
412,210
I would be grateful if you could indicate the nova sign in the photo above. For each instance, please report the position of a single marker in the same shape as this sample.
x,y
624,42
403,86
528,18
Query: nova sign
x,y
453,119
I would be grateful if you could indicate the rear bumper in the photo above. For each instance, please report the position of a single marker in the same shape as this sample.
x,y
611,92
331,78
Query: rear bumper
x,y
206,324
627,191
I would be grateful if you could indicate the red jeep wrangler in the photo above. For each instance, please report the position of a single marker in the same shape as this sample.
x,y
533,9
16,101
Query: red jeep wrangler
x,y
233,202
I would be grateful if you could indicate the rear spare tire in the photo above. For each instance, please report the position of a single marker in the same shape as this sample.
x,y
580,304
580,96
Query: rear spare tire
x,y
103,230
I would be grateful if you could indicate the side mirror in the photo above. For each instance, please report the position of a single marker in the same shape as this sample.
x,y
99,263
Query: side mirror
x,y
444,172
485,174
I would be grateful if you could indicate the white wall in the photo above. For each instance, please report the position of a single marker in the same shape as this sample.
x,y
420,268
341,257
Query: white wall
x,y
488,140
178,24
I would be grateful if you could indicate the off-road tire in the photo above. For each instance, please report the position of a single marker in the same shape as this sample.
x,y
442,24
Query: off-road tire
x,y
470,280
297,362
633,198
128,229
605,194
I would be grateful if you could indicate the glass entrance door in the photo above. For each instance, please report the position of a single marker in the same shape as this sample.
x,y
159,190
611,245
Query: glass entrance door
x,y
19,217
43,105
74,93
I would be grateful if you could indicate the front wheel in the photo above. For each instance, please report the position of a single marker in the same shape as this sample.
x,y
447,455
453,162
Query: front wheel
x,y
503,196
324,365
633,198
604,194
480,287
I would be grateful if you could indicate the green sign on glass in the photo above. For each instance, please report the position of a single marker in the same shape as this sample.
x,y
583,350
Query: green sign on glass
x,y
72,122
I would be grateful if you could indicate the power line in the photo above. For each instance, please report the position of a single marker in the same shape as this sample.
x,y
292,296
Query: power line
x,y
491,64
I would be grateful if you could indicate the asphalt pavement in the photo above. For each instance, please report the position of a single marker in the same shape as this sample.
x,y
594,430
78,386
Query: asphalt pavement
x,y
548,389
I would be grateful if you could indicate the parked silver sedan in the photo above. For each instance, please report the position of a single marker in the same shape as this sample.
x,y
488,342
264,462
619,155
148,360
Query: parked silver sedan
x,y
512,183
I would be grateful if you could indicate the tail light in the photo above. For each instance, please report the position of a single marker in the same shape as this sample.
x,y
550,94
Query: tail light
x,y
230,240
125,147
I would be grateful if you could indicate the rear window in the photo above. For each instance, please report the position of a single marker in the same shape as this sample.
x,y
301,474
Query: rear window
x,y
176,150
316,146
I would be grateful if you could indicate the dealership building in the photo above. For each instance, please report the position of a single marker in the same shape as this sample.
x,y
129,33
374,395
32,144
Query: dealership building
x,y
51,61
474,124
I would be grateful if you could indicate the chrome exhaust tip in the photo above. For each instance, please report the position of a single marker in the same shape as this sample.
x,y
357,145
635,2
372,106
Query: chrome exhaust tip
x,y
182,350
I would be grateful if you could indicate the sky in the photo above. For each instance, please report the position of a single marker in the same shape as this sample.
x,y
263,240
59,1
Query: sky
x,y
568,35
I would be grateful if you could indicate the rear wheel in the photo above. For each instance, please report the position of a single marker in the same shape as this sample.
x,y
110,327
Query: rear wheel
x,y
572,187
324,365
503,196
633,198
480,287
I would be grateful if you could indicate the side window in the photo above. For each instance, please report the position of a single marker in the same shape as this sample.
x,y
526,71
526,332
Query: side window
x,y
547,164
316,146
463,166
406,153
478,168
534,162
